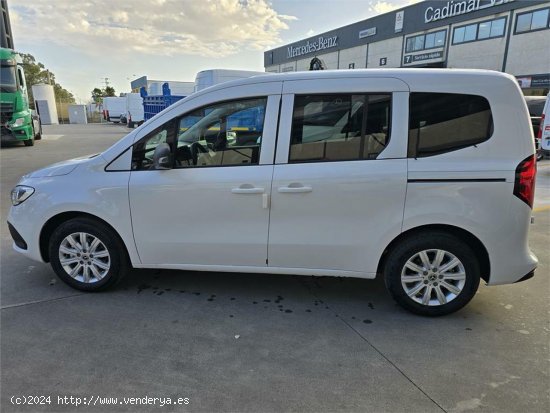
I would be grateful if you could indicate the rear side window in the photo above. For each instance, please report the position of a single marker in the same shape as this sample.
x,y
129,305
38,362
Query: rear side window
x,y
444,122
339,127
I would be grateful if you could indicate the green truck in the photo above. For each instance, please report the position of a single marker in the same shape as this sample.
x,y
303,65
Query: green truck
x,y
17,122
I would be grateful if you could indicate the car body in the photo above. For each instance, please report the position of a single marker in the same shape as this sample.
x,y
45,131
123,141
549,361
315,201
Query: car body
x,y
334,173
544,130
535,104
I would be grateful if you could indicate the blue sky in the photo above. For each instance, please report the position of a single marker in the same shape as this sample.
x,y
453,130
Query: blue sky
x,y
83,42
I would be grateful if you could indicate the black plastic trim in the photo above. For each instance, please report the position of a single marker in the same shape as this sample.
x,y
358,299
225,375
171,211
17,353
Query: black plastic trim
x,y
458,180
526,277
17,238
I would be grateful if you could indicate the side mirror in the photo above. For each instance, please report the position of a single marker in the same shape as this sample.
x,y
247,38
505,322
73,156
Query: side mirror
x,y
162,157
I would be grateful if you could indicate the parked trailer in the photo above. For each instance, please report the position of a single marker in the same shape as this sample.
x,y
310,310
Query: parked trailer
x,y
156,104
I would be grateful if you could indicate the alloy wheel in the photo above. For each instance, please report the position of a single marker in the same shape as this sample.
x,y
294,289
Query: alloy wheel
x,y
433,277
84,257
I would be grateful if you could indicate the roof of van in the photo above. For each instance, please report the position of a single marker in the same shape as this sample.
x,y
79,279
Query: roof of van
x,y
408,75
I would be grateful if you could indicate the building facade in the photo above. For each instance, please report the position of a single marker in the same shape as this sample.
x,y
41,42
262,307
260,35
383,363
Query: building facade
x,y
511,36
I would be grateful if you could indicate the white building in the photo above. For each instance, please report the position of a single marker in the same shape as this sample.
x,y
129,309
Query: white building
x,y
504,35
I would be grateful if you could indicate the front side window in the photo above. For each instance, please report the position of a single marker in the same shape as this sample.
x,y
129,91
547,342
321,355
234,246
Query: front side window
x,y
7,78
443,122
339,127
225,134
142,151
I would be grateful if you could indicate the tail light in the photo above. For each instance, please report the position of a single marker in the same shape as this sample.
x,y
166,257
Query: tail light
x,y
541,127
524,184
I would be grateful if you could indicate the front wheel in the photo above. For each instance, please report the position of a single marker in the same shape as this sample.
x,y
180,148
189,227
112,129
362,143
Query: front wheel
x,y
432,274
87,255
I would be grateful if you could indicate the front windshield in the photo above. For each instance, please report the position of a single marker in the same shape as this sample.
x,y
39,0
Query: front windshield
x,y
7,79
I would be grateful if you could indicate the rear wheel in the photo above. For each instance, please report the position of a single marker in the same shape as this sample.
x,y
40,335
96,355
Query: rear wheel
x,y
432,274
87,255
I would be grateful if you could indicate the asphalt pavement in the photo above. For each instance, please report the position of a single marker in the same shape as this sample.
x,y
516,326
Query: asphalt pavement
x,y
259,343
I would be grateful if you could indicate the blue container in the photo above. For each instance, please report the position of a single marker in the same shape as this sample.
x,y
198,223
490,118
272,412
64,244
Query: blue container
x,y
155,104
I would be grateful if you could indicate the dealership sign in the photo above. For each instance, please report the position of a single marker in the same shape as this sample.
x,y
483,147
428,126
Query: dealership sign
x,y
408,59
312,46
456,7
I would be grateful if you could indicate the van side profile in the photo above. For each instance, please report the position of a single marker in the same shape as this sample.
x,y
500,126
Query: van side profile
x,y
422,176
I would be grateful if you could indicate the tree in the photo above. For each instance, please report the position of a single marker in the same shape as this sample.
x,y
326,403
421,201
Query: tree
x,y
109,91
98,94
35,73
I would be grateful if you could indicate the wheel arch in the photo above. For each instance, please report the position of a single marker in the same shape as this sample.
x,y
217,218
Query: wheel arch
x,y
55,221
470,239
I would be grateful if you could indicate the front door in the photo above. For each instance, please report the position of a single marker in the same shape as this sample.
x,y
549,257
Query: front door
x,y
212,207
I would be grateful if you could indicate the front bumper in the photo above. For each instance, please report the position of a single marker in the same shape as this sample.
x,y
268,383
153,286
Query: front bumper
x,y
16,134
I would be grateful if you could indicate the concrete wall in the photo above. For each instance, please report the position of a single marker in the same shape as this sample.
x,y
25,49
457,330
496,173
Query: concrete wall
x,y
355,55
528,53
390,48
480,54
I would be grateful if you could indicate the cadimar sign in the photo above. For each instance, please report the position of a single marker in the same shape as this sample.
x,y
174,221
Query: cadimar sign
x,y
457,7
314,46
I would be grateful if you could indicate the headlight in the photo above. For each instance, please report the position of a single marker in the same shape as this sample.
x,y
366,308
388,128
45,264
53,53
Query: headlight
x,y
20,193
18,122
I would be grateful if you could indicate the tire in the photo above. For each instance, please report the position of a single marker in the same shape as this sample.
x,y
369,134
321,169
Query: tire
x,y
38,136
410,285
104,270
29,142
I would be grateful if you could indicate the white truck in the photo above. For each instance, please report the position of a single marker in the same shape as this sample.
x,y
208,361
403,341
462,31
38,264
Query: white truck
x,y
211,77
134,110
114,108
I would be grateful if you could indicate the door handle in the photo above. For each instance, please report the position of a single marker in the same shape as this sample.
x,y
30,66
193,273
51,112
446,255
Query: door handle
x,y
247,189
294,188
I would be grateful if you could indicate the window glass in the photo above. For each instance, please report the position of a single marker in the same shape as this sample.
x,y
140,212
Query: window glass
x,y
226,134
410,44
540,19
339,127
459,35
430,41
419,43
484,30
440,38
524,22
497,27
142,153
443,122
470,33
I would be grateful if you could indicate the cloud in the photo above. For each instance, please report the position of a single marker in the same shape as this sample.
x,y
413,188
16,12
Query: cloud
x,y
161,27
381,7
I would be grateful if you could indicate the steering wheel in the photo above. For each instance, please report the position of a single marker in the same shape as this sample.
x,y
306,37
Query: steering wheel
x,y
197,148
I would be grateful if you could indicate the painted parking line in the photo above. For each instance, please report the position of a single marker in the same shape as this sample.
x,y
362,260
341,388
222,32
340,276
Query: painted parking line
x,y
542,208
51,137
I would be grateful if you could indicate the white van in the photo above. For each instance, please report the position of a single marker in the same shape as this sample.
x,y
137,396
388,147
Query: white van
x,y
134,109
114,107
211,77
422,176
544,129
